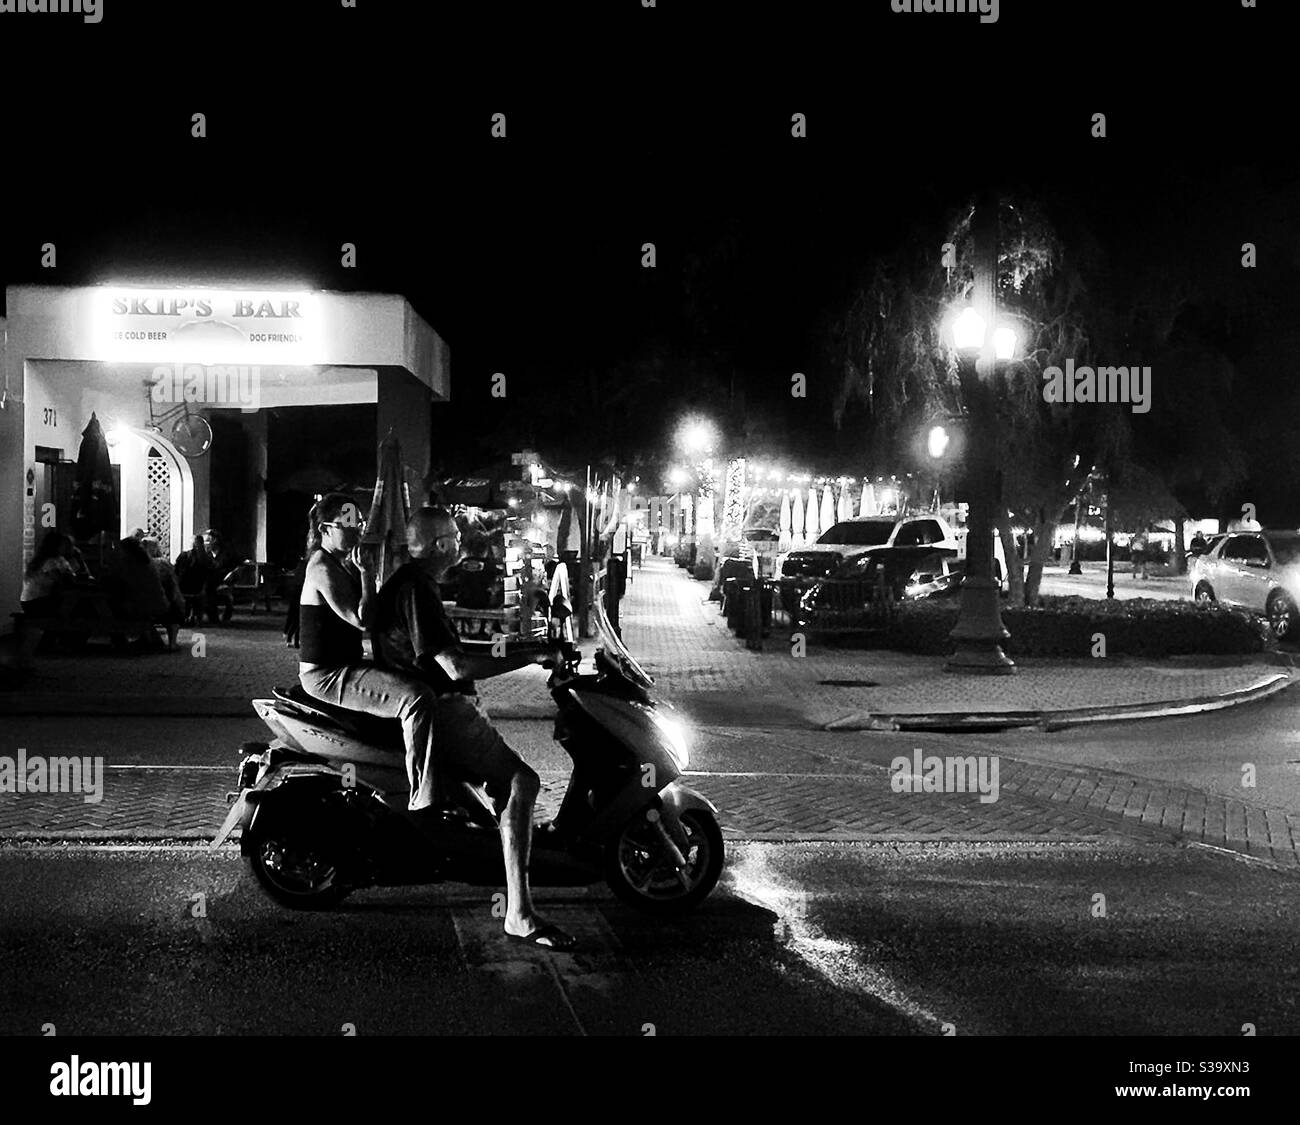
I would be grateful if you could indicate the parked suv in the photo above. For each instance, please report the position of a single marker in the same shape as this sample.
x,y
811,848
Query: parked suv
x,y
1254,570
917,556
880,535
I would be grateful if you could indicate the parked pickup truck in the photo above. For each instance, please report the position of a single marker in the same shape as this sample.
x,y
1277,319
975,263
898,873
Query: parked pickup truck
x,y
896,544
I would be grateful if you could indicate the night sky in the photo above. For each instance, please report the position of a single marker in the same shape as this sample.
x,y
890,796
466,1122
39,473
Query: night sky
x,y
524,255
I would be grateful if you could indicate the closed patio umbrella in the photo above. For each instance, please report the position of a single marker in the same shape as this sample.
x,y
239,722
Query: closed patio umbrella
x,y
390,508
846,504
797,538
869,501
783,544
568,536
828,508
94,499
812,530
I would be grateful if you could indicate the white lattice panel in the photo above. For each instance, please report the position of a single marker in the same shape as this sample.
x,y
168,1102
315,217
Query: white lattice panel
x,y
158,499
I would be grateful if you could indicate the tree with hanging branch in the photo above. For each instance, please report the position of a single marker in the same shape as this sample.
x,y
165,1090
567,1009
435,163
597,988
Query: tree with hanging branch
x,y
887,350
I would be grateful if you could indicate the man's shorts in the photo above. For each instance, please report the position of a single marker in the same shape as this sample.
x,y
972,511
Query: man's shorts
x,y
467,746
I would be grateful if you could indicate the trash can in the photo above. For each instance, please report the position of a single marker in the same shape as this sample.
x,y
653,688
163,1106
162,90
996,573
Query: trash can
x,y
731,601
752,598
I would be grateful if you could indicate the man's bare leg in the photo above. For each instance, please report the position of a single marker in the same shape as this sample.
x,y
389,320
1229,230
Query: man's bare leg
x,y
516,843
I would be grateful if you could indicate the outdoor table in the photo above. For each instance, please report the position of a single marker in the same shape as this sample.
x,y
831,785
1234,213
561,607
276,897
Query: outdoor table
x,y
90,596
85,609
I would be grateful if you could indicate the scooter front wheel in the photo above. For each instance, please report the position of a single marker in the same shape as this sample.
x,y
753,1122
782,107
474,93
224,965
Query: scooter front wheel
x,y
294,875
641,870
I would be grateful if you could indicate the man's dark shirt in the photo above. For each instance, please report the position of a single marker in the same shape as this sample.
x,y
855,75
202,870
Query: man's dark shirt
x,y
410,623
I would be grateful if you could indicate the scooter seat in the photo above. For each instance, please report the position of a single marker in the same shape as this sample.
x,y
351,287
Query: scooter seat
x,y
371,729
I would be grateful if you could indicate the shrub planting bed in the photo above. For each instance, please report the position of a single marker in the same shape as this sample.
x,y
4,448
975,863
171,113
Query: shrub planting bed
x,y
1069,627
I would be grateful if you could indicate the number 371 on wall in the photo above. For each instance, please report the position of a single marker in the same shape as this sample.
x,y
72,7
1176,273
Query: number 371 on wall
x,y
51,416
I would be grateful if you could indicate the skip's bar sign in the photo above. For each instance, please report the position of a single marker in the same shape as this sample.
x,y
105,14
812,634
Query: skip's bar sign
x,y
205,326
242,308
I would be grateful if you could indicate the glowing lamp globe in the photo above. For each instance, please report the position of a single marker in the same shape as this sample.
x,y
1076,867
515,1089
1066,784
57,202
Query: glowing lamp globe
x,y
968,330
1004,343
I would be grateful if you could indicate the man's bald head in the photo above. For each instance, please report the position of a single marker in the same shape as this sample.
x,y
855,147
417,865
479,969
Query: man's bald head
x,y
431,534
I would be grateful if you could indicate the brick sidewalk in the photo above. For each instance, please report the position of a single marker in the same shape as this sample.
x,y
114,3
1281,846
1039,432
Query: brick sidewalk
x,y
1036,803
682,640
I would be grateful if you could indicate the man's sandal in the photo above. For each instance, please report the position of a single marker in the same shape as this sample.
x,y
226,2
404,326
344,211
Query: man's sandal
x,y
547,937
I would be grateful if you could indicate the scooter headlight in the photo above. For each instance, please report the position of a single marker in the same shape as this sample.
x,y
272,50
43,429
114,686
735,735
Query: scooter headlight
x,y
674,733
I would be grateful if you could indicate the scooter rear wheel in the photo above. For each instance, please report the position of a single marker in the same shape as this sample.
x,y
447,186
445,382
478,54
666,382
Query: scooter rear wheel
x,y
640,871
294,875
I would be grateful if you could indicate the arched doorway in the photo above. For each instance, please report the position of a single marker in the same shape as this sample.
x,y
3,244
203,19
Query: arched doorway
x,y
169,492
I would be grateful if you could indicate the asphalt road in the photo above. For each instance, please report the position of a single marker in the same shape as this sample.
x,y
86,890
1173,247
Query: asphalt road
x,y
800,940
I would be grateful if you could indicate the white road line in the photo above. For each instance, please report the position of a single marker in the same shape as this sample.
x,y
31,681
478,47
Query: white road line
x,y
13,844
1244,857
868,766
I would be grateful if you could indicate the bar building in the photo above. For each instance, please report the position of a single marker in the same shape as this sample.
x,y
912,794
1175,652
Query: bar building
x,y
183,380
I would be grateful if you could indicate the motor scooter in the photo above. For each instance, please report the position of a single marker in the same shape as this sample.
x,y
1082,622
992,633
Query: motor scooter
x,y
322,809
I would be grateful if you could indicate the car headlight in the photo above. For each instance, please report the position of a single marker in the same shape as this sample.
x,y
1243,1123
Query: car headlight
x,y
674,732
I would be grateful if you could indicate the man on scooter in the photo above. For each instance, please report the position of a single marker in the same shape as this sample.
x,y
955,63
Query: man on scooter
x,y
413,638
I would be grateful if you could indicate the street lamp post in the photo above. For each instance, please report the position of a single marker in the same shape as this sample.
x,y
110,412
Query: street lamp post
x,y
1075,566
1110,546
979,632
697,438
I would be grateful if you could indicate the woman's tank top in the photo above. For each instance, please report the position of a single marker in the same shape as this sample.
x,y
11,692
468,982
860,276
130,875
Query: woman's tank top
x,y
328,640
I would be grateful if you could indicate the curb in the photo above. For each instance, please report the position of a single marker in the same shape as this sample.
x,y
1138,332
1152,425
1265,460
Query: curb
x,y
957,721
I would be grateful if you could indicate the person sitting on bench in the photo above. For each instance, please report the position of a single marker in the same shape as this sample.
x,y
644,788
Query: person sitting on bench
x,y
50,572
138,594
192,570
176,609
218,601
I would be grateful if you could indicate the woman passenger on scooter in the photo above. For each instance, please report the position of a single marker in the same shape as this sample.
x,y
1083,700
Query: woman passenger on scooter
x,y
335,606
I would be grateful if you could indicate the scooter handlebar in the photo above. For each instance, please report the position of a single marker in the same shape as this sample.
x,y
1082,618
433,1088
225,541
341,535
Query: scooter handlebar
x,y
561,653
